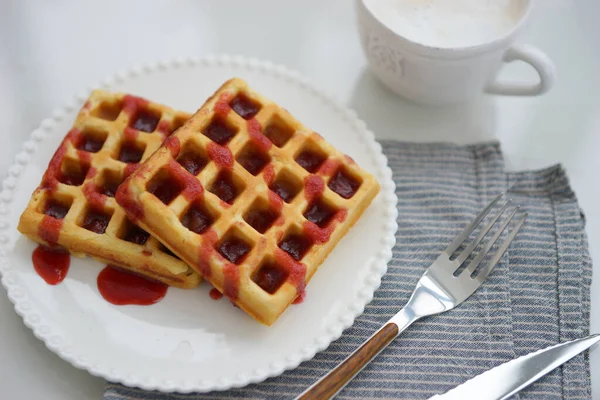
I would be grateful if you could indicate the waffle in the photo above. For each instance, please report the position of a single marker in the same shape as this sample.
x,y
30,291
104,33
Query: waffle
x,y
74,205
249,197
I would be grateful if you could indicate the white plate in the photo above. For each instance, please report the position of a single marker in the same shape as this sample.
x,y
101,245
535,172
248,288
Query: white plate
x,y
189,342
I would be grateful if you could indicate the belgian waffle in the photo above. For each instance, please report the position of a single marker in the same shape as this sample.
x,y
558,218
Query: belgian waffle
x,y
249,197
74,205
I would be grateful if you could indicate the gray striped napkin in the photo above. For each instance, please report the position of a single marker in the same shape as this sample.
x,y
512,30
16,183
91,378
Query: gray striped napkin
x,y
537,296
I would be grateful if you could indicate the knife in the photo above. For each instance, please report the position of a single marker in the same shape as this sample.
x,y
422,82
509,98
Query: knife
x,y
505,380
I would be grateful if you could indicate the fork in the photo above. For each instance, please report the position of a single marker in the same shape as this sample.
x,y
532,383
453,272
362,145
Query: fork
x,y
441,288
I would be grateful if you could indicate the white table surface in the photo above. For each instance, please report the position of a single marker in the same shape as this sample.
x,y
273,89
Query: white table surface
x,y
51,49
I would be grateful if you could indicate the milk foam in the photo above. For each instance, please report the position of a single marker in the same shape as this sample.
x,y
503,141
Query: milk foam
x,y
448,23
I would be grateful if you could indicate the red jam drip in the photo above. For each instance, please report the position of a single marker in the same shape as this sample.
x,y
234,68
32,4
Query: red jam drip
x,y
224,188
300,298
234,250
254,131
253,161
275,201
329,166
343,184
207,247
93,195
284,189
126,200
295,245
269,174
296,270
86,106
85,159
146,252
321,235
132,103
313,187
215,294
310,160
174,146
317,234
192,188
270,277
130,134
192,163
219,132
220,155
51,265
49,229
136,235
130,153
145,121
91,144
120,288
96,221
244,107
197,220
278,133
231,275
53,172
261,220
222,105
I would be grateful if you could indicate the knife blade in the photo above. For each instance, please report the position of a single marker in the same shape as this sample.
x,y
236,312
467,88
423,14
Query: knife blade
x,y
506,379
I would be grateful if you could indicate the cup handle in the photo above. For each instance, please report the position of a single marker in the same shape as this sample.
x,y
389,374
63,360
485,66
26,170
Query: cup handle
x,y
538,60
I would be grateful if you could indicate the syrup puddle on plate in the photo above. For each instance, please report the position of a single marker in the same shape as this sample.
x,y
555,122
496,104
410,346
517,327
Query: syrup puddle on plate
x,y
116,286
52,265
215,294
120,288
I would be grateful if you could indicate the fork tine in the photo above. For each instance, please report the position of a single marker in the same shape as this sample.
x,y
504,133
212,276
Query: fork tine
x,y
485,271
469,229
469,249
486,248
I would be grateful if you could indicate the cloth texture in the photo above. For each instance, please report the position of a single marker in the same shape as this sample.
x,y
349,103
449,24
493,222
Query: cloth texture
x,y
538,295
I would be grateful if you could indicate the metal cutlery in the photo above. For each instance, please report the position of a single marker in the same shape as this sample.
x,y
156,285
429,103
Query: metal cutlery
x,y
441,288
507,379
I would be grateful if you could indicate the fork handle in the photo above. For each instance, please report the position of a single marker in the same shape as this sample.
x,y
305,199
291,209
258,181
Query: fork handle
x,y
334,381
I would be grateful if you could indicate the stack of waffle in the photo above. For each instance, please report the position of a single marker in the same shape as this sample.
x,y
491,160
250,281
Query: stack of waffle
x,y
243,193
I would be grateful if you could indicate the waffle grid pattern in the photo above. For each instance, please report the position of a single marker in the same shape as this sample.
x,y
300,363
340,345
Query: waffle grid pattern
x,y
113,132
205,194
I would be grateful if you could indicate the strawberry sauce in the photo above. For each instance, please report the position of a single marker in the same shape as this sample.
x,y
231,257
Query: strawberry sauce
x,y
51,265
215,294
119,287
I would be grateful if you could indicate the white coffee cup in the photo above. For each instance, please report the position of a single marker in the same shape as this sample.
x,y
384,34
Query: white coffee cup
x,y
434,74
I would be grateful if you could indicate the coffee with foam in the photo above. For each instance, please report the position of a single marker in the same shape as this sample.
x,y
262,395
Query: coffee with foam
x,y
448,23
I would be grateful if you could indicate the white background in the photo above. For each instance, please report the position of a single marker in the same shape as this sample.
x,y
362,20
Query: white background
x,y
50,50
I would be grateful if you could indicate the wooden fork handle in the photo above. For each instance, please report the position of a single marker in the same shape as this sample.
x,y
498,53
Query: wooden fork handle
x,y
334,381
